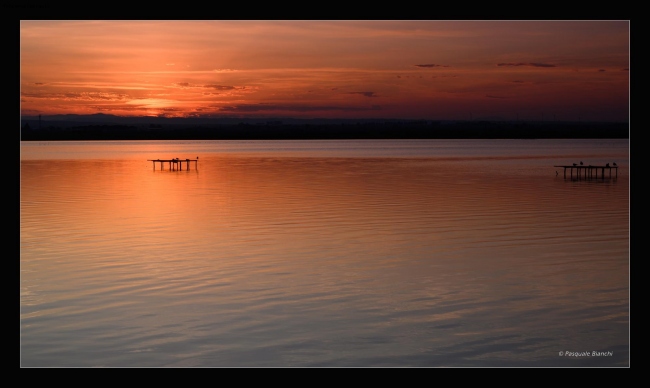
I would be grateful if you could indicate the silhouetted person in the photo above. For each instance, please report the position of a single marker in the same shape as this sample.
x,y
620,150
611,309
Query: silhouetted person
x,y
607,165
581,163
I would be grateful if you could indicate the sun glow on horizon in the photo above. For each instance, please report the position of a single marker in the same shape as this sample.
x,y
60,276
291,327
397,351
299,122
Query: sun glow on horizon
x,y
337,69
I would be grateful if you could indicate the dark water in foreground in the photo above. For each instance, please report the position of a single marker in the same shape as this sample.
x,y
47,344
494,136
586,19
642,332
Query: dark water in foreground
x,y
413,253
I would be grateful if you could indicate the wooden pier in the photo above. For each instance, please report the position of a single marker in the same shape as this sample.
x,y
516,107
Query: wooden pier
x,y
175,164
589,171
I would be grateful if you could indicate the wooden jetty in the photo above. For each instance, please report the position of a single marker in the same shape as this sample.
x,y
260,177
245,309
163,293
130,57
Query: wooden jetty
x,y
175,163
589,171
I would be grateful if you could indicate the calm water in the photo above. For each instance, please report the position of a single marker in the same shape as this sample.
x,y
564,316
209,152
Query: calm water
x,y
413,253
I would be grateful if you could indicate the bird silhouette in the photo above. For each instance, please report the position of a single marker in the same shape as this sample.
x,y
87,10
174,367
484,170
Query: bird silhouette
x,y
574,164
614,163
581,163
607,165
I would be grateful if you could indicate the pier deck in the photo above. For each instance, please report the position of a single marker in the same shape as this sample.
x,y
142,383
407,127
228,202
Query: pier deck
x,y
174,163
587,172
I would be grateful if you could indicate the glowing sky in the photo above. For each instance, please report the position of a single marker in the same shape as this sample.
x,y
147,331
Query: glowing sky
x,y
438,70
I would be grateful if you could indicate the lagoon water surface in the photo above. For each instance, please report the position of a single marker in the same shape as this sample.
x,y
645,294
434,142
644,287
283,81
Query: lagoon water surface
x,y
373,253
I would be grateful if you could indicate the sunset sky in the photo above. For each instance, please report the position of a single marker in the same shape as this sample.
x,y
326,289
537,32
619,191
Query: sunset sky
x,y
434,70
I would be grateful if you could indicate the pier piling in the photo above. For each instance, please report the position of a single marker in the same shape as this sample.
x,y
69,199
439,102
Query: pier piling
x,y
175,163
588,172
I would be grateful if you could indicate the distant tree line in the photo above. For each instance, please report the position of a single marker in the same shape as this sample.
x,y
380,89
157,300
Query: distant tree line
x,y
378,130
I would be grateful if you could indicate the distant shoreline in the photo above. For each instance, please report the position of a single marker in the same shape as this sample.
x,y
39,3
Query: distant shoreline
x,y
52,130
